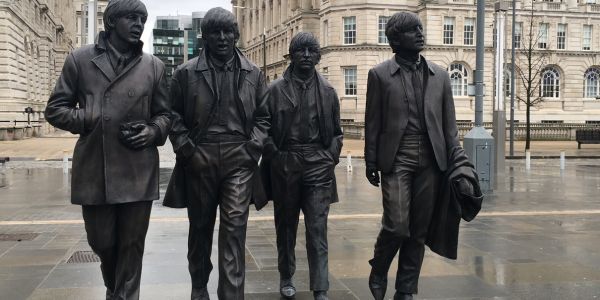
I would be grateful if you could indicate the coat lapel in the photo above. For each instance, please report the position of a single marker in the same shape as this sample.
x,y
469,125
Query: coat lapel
x,y
129,66
202,67
101,61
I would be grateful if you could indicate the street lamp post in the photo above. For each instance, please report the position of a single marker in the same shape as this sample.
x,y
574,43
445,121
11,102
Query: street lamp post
x,y
499,117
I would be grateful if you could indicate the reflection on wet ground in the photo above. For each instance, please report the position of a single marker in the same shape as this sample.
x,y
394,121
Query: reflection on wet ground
x,y
537,238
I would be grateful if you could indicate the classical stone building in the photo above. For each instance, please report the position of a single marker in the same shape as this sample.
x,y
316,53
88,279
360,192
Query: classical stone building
x,y
352,34
35,38
81,32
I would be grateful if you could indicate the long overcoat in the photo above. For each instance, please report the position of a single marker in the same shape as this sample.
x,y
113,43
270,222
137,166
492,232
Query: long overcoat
x,y
283,105
387,114
91,100
193,86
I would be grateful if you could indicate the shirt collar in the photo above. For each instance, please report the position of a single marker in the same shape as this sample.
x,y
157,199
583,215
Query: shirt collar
x,y
307,84
227,66
408,65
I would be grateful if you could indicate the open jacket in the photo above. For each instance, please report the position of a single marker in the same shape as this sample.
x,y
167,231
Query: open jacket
x,y
91,100
452,205
192,86
387,111
283,105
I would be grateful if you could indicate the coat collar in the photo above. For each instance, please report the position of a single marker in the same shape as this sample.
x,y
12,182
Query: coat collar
x,y
394,66
102,61
202,64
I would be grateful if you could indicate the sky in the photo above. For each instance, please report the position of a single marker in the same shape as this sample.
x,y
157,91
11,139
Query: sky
x,y
174,7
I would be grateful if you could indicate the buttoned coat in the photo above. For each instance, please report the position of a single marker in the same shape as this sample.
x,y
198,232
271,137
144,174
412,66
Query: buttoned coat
x,y
387,111
91,100
192,86
283,105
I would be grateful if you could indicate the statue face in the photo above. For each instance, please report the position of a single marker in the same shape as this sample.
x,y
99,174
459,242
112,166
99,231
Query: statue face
x,y
410,39
220,42
305,58
130,27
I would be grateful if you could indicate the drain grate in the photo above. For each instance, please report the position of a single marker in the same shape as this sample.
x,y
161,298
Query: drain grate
x,y
17,237
80,257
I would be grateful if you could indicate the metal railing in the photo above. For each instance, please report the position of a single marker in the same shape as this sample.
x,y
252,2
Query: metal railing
x,y
538,131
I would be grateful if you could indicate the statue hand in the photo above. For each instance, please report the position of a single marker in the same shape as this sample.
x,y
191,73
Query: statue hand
x,y
144,138
373,175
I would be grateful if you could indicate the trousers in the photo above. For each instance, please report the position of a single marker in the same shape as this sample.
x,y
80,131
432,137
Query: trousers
x,y
409,194
116,233
219,175
302,179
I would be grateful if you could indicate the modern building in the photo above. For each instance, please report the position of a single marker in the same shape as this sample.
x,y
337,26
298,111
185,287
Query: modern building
x,y
352,36
177,39
82,20
35,38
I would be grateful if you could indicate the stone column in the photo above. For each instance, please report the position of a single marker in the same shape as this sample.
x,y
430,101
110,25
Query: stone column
x,y
283,11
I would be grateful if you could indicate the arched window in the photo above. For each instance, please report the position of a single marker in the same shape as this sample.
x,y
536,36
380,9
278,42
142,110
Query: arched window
x,y
459,78
550,87
591,84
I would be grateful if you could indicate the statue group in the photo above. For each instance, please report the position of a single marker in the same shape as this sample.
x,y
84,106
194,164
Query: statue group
x,y
222,118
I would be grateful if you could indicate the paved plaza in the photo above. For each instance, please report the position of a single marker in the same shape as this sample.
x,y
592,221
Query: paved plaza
x,y
537,237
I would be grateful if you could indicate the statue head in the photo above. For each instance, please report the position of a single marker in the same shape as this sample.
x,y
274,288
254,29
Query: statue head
x,y
305,52
404,31
125,19
220,33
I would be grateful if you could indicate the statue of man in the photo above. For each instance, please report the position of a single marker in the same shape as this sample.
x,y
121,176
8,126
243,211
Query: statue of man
x,y
116,98
220,123
302,150
410,131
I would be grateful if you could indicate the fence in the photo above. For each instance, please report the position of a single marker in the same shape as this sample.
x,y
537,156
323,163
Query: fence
x,y
539,131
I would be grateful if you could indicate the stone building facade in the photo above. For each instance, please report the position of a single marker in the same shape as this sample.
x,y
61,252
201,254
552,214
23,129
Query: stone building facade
x,y
35,38
81,15
352,36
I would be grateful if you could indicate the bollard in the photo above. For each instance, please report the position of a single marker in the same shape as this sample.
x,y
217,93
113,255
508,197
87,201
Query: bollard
x,y
562,159
349,162
527,160
65,162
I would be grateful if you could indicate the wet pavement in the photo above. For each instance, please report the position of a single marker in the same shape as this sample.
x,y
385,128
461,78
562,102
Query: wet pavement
x,y
537,237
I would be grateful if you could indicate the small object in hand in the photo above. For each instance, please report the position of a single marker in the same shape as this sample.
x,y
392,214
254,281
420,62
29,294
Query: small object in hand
x,y
129,129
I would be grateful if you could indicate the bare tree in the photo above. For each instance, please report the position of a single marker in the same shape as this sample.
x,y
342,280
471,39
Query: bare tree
x,y
530,61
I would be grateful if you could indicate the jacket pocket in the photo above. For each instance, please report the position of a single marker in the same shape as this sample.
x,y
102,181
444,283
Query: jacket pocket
x,y
89,114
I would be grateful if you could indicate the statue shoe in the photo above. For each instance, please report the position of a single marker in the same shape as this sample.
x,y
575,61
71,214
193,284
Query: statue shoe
x,y
320,295
377,285
287,289
402,296
200,294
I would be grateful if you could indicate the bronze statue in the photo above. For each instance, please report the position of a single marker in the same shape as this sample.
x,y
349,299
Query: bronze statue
x,y
303,148
220,123
411,137
115,97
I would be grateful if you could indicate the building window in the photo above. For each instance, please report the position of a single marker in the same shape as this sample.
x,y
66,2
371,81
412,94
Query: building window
x,y
550,87
325,33
587,37
459,78
382,38
543,36
349,30
518,34
350,88
590,85
469,31
561,36
507,85
448,30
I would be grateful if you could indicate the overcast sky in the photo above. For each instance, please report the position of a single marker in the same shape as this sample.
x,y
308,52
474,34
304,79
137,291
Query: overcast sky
x,y
174,7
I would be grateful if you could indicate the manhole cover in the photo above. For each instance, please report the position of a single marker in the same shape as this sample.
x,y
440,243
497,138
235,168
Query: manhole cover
x,y
80,257
17,237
